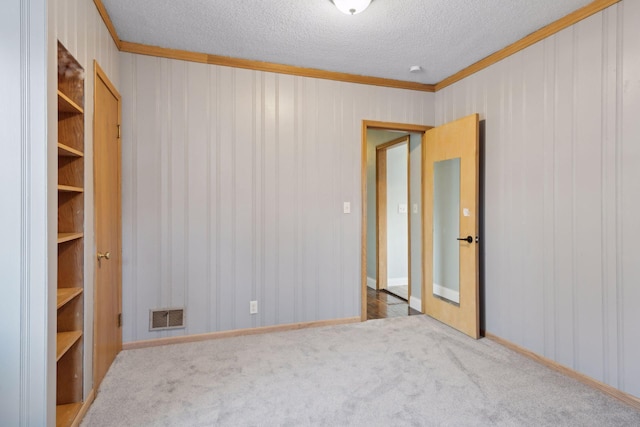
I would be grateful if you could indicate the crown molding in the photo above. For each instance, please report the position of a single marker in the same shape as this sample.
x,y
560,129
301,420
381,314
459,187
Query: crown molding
x,y
107,21
551,29
205,58
226,61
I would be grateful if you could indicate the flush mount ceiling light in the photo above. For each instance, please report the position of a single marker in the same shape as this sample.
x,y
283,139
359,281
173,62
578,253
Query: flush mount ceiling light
x,y
351,7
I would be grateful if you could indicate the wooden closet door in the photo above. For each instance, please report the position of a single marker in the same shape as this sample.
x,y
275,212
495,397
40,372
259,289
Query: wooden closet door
x,y
108,218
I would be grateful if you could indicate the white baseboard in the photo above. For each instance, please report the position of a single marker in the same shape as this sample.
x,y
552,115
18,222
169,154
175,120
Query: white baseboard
x,y
415,303
446,293
371,283
398,281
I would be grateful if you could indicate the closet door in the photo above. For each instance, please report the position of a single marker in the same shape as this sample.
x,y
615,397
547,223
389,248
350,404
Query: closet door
x,y
108,217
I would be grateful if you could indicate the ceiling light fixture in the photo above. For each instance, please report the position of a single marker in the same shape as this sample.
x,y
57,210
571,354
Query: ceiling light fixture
x,y
351,7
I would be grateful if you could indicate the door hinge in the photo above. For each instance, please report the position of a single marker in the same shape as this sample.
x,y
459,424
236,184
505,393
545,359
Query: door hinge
x,y
118,131
119,320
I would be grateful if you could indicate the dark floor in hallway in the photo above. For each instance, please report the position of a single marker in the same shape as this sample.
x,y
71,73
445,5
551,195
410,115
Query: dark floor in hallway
x,y
381,305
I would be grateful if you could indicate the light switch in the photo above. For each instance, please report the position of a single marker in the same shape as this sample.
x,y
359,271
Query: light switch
x,y
466,212
346,208
402,208
415,208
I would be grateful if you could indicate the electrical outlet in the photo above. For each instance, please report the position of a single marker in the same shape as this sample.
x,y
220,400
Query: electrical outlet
x,y
253,307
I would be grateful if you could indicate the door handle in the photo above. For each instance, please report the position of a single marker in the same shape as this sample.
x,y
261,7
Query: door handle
x,y
106,255
468,239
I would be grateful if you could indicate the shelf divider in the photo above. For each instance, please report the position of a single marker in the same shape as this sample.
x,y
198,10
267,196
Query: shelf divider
x,y
66,104
64,341
67,294
67,237
70,189
65,414
66,151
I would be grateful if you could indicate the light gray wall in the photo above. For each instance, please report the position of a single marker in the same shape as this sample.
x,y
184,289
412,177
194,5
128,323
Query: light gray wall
x,y
25,364
415,218
233,187
397,223
375,137
562,186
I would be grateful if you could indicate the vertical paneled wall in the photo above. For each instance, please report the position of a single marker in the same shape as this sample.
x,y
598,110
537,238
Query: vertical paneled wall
x,y
25,368
562,276
233,188
79,27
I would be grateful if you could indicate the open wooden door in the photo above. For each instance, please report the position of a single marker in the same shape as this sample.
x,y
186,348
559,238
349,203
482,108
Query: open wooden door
x,y
450,197
107,339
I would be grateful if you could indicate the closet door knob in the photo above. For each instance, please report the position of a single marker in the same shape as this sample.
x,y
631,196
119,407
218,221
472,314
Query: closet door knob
x,y
106,255
468,239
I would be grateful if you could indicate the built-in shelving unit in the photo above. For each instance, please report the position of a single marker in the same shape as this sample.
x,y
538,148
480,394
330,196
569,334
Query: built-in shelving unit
x,y
70,280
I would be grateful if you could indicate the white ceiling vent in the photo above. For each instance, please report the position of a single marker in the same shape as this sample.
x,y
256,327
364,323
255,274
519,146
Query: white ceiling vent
x,y
167,318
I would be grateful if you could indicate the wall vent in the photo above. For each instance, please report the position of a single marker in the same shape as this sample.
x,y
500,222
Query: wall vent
x,y
167,318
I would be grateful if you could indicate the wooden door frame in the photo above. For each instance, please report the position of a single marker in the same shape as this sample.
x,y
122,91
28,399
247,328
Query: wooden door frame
x,y
366,125
99,74
381,211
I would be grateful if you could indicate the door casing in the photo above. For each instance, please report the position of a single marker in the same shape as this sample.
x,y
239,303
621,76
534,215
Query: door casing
x,y
371,124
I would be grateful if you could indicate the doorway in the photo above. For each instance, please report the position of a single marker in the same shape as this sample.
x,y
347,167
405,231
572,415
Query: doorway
x,y
392,223
449,184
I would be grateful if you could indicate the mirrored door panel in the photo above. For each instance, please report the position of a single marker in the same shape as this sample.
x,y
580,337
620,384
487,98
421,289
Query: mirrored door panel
x,y
446,229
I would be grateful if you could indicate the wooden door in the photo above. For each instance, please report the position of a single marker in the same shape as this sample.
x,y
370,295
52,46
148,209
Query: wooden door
x,y
108,225
450,195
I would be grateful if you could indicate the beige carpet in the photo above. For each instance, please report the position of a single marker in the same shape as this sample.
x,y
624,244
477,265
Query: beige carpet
x,y
406,371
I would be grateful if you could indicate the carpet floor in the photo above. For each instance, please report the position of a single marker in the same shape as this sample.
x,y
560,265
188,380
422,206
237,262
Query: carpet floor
x,y
405,371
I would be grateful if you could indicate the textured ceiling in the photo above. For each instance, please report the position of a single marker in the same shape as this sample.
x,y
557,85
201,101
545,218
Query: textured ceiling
x,y
442,36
